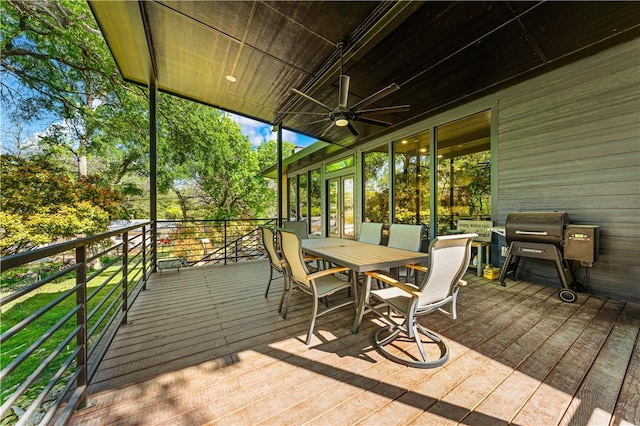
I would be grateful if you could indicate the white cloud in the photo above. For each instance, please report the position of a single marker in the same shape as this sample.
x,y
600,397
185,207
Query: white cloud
x,y
256,131
259,132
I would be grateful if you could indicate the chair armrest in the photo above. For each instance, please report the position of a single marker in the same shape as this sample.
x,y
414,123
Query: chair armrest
x,y
326,272
391,281
308,258
462,283
418,268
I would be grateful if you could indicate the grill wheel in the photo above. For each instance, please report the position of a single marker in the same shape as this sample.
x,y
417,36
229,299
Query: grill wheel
x,y
567,295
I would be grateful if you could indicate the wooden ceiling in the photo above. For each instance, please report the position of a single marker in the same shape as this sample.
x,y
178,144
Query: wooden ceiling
x,y
441,54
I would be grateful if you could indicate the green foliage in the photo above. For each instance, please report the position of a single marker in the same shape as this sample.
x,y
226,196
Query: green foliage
x,y
376,187
208,165
40,203
14,312
268,153
56,53
60,67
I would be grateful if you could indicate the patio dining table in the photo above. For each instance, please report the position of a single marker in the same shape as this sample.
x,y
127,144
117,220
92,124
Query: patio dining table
x,y
361,257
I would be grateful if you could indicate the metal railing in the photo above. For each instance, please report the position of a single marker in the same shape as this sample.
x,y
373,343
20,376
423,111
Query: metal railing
x,y
60,317
211,241
63,304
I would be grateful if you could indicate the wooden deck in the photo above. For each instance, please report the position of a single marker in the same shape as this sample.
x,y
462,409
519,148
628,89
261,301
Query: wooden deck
x,y
204,346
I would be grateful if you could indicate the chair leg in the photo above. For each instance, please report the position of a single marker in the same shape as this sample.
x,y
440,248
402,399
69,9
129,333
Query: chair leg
x,y
403,356
284,290
266,293
454,312
313,319
416,337
286,306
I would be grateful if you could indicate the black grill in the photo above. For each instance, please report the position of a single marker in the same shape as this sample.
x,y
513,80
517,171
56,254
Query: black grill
x,y
538,235
536,227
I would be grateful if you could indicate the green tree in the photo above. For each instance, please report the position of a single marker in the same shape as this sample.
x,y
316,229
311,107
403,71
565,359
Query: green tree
x,y
55,63
268,153
41,202
207,164
59,64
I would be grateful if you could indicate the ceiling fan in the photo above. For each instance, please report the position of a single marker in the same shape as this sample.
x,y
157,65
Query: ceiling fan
x,y
343,115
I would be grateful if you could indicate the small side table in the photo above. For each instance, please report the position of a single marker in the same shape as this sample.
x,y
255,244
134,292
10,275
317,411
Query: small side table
x,y
171,264
481,246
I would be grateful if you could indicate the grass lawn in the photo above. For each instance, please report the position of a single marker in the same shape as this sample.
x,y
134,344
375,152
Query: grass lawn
x,y
18,310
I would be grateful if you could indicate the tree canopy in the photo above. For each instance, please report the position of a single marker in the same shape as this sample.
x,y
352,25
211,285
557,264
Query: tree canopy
x,y
40,203
56,64
209,165
63,69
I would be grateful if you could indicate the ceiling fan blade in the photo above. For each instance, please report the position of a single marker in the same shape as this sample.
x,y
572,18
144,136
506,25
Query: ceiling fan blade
x,y
384,110
377,96
353,130
344,91
327,129
372,121
302,112
297,92
322,120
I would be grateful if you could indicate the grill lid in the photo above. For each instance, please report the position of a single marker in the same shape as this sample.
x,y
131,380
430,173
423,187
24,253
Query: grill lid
x,y
538,227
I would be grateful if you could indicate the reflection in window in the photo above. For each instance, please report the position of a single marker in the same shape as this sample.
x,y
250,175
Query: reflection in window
x,y
316,202
293,198
411,179
299,203
464,170
332,192
340,164
376,185
348,217
302,196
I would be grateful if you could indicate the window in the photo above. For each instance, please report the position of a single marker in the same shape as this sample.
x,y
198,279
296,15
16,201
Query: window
x,y
464,170
302,207
302,198
293,198
339,165
316,202
376,180
411,179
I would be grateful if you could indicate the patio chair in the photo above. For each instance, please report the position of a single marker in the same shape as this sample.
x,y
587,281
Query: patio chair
x,y
448,261
299,226
276,262
370,232
407,237
318,285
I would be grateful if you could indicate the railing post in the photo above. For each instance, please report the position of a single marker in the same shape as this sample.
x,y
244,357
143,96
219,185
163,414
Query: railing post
x,y
81,320
144,257
125,276
225,240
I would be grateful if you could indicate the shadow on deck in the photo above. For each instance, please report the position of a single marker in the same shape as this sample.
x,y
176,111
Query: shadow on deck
x,y
204,345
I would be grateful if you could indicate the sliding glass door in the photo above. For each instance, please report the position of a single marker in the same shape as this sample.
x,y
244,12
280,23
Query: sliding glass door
x,y
340,192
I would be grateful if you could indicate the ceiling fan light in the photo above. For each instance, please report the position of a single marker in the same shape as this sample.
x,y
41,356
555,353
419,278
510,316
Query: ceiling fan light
x,y
342,122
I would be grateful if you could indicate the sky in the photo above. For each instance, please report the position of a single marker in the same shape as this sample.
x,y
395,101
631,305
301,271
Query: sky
x,y
259,132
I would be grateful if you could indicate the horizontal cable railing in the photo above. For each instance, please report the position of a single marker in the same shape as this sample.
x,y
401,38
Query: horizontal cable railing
x,y
63,304
61,307
211,241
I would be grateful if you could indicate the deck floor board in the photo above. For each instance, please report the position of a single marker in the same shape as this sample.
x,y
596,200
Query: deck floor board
x,y
204,346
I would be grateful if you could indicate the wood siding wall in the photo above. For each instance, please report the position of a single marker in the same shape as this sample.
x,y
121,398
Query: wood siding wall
x,y
570,141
